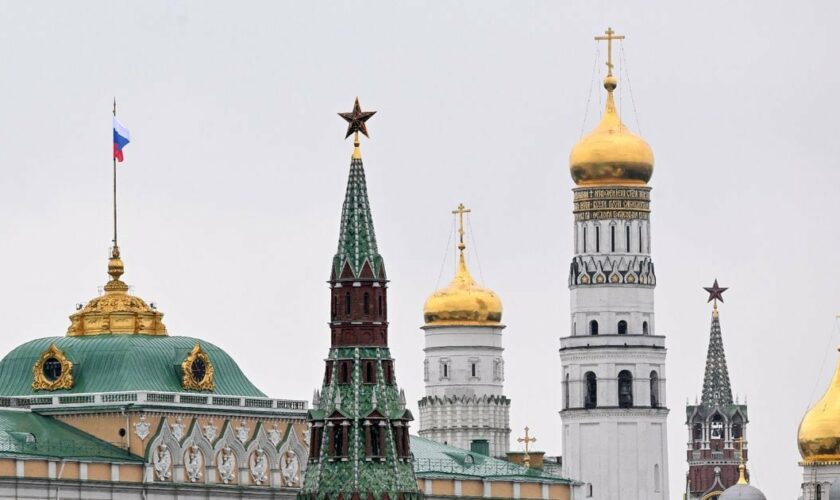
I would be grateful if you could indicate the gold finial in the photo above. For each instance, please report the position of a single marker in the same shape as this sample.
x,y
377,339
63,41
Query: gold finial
x,y
742,468
610,36
527,440
460,211
357,154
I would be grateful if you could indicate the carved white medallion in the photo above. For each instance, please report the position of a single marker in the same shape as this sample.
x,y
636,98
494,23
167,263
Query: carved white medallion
x,y
162,461
259,466
242,432
142,428
274,435
210,431
194,463
290,467
227,465
177,429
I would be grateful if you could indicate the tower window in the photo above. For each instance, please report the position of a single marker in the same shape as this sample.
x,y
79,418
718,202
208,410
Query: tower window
x,y
445,371
366,303
656,480
584,239
644,328
697,432
627,236
597,239
335,307
344,372
622,327
347,304
612,238
717,426
379,300
654,389
369,372
590,399
625,389
640,237
388,369
566,392
593,327
472,369
328,373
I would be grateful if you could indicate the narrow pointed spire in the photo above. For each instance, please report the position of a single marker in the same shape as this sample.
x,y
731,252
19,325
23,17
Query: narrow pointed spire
x,y
717,390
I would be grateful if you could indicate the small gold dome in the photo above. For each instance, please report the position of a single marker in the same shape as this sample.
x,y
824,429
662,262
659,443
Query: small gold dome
x,y
463,302
611,154
819,431
116,312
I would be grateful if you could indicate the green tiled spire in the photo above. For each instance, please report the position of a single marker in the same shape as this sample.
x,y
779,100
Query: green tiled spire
x,y
357,240
716,388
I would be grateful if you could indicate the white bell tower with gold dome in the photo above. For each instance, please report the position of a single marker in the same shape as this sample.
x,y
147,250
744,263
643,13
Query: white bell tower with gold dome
x,y
613,362
465,405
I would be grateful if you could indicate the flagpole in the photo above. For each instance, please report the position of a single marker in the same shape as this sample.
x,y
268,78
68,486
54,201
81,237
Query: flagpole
x,y
115,252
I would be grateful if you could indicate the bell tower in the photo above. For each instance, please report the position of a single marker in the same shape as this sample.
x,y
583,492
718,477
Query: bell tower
x,y
613,361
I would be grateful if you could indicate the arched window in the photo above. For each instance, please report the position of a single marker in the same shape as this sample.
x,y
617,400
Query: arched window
x,y
589,490
625,389
622,327
366,303
654,389
697,432
627,238
566,392
379,299
335,307
612,238
593,327
640,237
656,478
472,368
717,426
369,376
347,304
584,239
597,238
644,328
590,398
737,431
344,372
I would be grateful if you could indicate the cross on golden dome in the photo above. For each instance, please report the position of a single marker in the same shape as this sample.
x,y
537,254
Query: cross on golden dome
x,y
460,211
527,440
610,36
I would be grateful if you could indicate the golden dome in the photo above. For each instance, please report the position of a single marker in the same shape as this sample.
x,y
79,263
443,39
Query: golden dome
x,y
819,432
611,154
116,312
463,302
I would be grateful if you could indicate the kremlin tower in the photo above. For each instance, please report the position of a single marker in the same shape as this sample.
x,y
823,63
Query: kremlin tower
x,y
717,426
360,448
465,405
613,362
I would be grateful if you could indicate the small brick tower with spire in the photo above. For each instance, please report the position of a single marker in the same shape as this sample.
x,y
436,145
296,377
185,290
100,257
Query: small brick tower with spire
x,y
360,448
717,425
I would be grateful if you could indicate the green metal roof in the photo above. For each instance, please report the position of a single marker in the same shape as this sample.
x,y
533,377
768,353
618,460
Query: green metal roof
x,y
356,240
435,460
115,363
30,434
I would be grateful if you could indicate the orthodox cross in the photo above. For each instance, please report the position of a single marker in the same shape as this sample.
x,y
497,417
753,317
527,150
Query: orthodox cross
x,y
460,211
610,36
527,440
715,293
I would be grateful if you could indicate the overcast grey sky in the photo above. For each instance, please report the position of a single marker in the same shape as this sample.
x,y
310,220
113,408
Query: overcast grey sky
x,y
233,183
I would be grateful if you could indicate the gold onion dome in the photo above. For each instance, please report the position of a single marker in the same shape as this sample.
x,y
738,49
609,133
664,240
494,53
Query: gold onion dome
x,y
611,154
819,431
116,312
463,302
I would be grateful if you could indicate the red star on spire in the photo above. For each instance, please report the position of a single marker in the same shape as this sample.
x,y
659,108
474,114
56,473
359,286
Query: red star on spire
x,y
715,292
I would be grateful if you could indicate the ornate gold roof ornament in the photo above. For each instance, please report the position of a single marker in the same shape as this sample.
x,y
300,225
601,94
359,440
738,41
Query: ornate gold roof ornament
x,y
116,312
53,371
197,371
463,302
611,155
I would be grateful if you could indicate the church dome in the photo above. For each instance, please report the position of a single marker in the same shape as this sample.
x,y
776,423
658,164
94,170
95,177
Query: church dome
x,y
742,492
463,302
819,431
611,154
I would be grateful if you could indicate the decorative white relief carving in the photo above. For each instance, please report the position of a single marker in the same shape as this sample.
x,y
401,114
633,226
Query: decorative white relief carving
x,y
142,428
274,435
163,463
178,429
227,465
210,431
290,467
242,432
194,463
259,466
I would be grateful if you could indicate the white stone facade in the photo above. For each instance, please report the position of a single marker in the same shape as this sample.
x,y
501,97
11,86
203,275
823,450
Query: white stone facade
x,y
818,479
464,375
613,366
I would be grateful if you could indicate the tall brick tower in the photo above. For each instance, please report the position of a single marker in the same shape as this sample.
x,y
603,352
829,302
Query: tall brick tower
x,y
359,435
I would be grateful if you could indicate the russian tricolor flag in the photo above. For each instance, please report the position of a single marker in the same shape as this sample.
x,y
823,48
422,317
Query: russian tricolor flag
x,y
121,139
